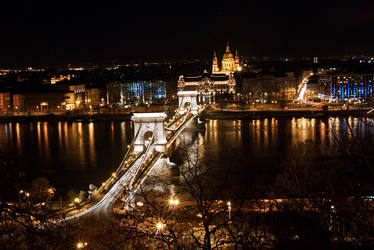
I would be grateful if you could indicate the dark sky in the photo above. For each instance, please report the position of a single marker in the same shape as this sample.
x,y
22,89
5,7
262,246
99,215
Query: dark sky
x,y
33,32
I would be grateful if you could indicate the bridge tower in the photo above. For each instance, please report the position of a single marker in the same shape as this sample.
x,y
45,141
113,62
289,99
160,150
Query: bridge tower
x,y
149,122
187,97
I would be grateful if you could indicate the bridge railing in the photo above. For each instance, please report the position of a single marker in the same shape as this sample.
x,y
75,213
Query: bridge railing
x,y
125,166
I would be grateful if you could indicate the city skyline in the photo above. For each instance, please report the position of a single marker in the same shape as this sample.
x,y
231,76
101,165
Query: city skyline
x,y
37,33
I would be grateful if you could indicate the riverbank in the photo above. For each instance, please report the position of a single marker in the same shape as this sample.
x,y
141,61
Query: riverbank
x,y
258,114
216,114
67,117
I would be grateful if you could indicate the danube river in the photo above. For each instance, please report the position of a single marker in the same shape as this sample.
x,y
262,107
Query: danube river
x,y
74,154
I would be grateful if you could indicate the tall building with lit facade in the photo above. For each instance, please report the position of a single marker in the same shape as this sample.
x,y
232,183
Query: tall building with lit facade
x,y
229,63
132,92
351,87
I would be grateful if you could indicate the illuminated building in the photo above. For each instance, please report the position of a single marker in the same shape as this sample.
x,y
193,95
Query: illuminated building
x,y
221,81
132,92
229,63
267,88
60,78
95,97
18,102
351,87
5,101
40,100
208,85
75,98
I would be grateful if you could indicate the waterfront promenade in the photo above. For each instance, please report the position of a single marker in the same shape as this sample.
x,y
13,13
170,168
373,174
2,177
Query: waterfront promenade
x,y
215,112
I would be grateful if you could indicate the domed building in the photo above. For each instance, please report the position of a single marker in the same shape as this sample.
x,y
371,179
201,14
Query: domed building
x,y
217,83
229,62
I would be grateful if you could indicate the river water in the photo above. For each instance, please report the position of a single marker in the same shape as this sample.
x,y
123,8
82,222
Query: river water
x,y
74,154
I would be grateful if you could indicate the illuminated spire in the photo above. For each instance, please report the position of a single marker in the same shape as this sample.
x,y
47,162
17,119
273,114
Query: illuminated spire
x,y
228,47
215,63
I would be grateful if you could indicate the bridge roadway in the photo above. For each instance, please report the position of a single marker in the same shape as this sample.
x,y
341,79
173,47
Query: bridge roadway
x,y
131,173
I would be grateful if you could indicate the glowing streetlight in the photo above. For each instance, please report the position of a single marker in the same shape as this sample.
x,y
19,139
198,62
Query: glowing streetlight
x,y
81,245
229,208
159,228
173,202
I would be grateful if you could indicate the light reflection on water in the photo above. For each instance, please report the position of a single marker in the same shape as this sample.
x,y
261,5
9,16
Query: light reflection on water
x,y
75,154
69,154
266,142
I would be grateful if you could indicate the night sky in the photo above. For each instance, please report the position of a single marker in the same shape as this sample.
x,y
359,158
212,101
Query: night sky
x,y
51,33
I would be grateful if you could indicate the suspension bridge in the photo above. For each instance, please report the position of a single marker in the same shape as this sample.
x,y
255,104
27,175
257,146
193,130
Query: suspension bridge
x,y
142,155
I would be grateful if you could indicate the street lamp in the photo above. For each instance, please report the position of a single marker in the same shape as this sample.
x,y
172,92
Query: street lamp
x,y
81,245
229,208
77,200
159,227
173,203
51,191
19,195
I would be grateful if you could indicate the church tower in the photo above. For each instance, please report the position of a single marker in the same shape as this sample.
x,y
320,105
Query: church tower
x,y
215,63
237,62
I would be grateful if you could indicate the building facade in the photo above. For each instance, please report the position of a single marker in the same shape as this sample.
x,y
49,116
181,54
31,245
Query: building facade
x,y
269,88
208,85
5,101
95,97
136,92
75,97
45,101
18,102
351,87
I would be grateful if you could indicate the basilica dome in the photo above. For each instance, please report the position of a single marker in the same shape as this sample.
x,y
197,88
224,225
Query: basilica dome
x,y
229,62
228,54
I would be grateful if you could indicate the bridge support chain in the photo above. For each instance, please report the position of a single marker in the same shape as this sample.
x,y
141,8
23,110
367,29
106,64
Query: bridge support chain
x,y
162,167
149,122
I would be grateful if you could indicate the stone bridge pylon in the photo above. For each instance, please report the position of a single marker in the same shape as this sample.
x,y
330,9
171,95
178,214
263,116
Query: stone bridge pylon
x,y
185,97
149,122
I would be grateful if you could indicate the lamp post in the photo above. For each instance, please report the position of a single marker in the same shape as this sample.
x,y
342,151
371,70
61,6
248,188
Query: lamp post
x,y
229,209
331,217
19,195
